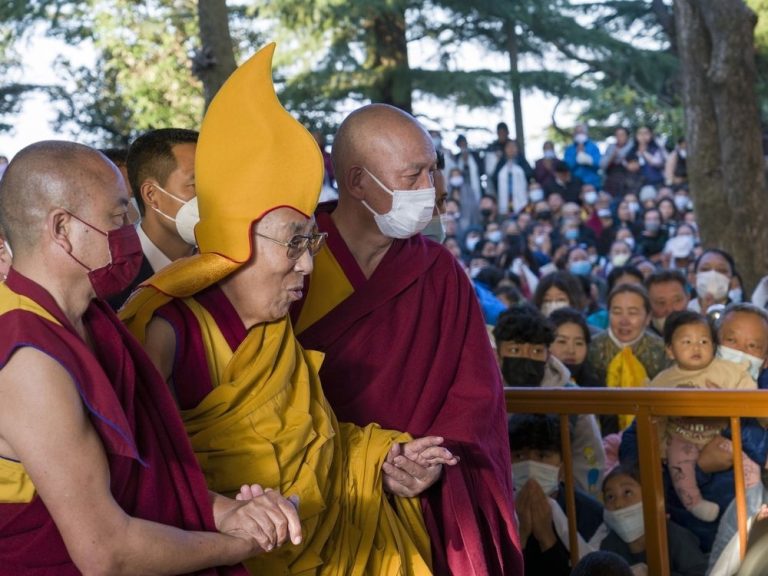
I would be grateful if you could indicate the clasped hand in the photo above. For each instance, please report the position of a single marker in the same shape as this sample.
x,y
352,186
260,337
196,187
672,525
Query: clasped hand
x,y
263,516
414,466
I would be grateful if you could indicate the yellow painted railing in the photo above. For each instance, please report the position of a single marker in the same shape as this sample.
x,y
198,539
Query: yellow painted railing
x,y
646,405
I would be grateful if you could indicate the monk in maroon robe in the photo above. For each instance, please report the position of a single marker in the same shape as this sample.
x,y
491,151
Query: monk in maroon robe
x,y
404,337
96,472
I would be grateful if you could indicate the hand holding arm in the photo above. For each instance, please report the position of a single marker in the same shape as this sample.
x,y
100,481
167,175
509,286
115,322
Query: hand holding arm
x,y
716,456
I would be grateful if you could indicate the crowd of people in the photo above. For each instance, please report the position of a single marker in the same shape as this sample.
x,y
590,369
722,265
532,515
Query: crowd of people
x,y
589,267
293,387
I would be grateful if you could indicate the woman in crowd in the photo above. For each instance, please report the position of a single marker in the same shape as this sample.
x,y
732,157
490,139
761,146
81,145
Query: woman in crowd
x,y
650,155
558,290
572,338
626,355
714,271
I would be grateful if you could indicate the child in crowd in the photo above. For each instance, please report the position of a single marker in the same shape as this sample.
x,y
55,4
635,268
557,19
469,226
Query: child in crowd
x,y
534,441
690,341
623,516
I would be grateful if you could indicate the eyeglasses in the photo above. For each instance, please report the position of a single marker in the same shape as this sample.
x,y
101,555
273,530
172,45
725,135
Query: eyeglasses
x,y
299,244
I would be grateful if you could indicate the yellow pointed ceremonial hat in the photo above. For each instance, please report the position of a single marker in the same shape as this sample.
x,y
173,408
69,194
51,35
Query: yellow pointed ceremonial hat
x,y
252,157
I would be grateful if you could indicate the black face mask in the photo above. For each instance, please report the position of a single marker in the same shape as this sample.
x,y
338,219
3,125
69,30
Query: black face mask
x,y
522,372
486,213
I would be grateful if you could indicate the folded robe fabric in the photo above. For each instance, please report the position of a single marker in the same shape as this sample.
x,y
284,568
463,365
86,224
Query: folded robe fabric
x,y
266,421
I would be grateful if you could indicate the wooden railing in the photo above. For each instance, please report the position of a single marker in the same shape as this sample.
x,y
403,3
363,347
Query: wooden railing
x,y
646,405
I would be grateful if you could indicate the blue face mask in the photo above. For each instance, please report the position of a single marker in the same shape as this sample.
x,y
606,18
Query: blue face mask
x,y
572,234
580,268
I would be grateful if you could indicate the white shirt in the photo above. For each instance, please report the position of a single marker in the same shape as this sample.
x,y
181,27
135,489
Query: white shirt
x,y
156,258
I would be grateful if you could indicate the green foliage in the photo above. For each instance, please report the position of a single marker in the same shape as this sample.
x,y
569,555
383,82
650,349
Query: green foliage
x,y
612,55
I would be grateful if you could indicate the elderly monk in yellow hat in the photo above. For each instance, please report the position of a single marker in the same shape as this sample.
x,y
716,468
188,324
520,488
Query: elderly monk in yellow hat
x,y
216,325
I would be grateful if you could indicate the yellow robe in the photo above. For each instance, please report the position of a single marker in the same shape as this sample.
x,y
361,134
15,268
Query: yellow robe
x,y
268,422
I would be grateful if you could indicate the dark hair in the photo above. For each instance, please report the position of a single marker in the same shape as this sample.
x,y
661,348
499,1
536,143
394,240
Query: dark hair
x,y
116,155
623,469
682,318
440,160
631,157
490,276
523,323
667,199
620,271
602,563
632,289
728,258
534,431
503,125
151,156
511,293
564,281
570,316
562,167
663,276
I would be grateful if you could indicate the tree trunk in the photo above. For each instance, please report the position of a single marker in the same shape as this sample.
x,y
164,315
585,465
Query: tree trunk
x,y
387,58
725,160
514,82
215,60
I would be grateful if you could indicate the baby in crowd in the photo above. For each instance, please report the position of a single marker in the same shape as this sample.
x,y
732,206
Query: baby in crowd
x,y
691,342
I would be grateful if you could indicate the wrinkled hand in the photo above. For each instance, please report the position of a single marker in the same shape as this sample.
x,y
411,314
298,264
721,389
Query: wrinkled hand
x,y
263,516
411,468
716,456
538,515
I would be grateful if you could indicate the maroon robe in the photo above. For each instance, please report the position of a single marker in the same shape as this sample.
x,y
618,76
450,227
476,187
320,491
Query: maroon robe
x,y
409,350
153,472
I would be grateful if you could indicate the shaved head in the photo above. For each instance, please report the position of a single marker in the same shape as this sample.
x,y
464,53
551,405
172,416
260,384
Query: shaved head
x,y
372,135
47,175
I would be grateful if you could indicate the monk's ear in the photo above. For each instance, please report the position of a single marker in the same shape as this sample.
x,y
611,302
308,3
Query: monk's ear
x,y
353,179
59,225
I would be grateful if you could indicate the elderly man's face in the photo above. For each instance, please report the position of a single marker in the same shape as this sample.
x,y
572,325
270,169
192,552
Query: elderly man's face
x,y
264,289
745,332
405,160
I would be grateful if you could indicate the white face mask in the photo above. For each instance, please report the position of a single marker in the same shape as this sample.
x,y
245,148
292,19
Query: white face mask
x,y
737,357
735,295
186,218
619,259
536,195
411,211
547,476
548,307
712,283
590,197
580,138
456,181
494,236
435,230
627,522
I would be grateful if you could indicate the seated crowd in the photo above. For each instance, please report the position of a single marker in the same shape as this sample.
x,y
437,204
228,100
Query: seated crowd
x,y
593,275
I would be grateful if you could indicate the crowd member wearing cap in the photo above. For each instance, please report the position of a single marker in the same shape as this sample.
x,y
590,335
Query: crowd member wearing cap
x,y
161,173
431,372
217,326
96,472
